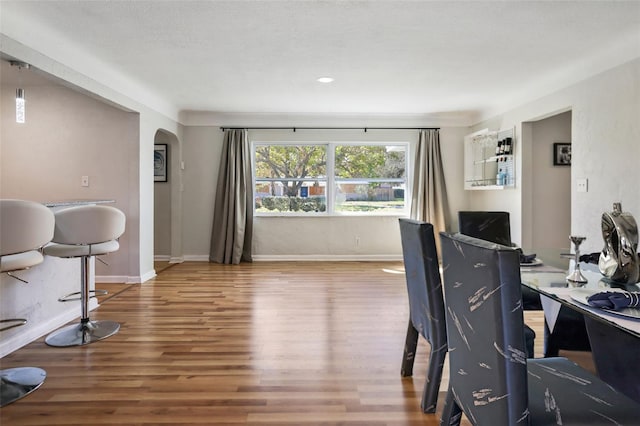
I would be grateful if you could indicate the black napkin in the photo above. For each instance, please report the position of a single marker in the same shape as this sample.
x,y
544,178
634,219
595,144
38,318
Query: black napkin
x,y
615,300
590,258
526,258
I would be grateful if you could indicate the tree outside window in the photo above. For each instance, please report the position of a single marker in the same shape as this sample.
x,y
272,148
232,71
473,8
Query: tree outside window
x,y
331,178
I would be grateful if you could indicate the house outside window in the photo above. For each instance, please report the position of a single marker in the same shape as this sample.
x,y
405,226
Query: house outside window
x,y
330,178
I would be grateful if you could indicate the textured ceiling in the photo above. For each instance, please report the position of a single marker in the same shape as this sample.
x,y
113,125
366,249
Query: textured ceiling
x,y
387,57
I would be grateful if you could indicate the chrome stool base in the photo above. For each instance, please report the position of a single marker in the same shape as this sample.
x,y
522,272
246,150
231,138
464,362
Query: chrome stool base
x,y
82,334
16,383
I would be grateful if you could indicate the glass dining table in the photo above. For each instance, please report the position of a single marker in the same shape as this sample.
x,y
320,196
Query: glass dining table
x,y
614,335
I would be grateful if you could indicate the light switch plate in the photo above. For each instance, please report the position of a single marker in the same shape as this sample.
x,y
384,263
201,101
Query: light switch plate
x,y
84,181
582,185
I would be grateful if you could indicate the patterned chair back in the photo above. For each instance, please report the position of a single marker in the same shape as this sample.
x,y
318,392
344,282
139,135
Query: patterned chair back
x,y
485,330
422,271
426,305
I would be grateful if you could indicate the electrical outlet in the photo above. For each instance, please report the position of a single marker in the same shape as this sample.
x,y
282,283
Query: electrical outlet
x,y
582,185
84,181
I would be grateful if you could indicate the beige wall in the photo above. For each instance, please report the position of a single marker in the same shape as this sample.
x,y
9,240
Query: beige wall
x,y
551,185
202,148
77,126
299,237
139,191
605,132
68,135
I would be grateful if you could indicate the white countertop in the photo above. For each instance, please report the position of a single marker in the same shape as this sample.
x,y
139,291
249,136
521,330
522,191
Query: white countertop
x,y
79,202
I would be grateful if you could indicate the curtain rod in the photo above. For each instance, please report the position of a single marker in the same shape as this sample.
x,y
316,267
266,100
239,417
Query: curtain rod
x,y
329,128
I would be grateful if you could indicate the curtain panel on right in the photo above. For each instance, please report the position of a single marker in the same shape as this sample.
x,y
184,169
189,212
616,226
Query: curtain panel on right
x,y
429,194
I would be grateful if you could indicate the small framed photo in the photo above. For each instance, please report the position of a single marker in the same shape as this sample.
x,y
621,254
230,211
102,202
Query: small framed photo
x,y
160,160
561,154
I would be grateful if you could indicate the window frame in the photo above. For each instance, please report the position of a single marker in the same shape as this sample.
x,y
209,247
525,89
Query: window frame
x,y
331,180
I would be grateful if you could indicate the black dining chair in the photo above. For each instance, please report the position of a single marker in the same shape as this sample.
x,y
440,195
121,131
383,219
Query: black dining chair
x,y
426,306
495,226
491,381
569,332
486,225
615,353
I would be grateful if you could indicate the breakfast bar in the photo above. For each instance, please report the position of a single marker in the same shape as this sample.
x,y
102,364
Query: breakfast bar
x,y
37,300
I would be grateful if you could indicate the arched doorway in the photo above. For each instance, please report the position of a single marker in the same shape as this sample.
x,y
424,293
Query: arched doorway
x,y
167,211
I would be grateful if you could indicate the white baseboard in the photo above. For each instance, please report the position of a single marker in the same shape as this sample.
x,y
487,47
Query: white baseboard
x,y
170,259
328,258
196,257
112,278
115,279
18,340
311,258
145,277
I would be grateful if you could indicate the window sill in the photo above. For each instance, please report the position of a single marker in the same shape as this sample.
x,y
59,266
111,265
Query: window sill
x,y
325,215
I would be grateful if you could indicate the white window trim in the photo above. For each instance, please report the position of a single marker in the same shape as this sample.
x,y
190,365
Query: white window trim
x,y
330,199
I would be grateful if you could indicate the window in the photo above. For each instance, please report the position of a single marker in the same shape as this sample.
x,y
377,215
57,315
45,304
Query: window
x,y
330,178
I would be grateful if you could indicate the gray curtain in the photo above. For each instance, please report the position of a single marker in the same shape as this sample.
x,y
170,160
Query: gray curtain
x,y
233,211
429,195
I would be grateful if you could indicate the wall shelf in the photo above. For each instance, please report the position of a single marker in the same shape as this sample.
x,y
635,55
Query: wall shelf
x,y
485,166
492,159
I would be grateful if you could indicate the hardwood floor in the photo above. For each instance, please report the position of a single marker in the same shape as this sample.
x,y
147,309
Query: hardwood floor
x,y
161,266
297,343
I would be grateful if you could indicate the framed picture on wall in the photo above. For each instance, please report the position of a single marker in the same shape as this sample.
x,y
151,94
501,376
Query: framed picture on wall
x,y
160,159
561,154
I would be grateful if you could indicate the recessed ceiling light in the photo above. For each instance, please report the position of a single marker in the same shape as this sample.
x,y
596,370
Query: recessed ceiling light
x,y
325,79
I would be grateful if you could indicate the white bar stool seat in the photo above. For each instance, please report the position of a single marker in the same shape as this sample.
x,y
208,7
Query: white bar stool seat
x,y
25,226
69,251
20,261
85,231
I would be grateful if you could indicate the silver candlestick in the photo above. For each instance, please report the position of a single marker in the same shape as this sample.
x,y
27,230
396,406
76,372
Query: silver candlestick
x,y
576,278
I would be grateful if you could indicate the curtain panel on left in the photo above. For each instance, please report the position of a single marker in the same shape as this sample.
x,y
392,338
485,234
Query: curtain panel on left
x,y
232,230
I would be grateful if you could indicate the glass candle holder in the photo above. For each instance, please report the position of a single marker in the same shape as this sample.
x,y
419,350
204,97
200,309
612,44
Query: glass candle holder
x,y
576,278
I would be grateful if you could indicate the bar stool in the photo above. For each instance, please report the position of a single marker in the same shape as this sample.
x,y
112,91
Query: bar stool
x,y
25,226
84,232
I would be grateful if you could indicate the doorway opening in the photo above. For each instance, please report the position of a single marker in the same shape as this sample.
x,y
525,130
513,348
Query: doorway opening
x,y
167,205
550,188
